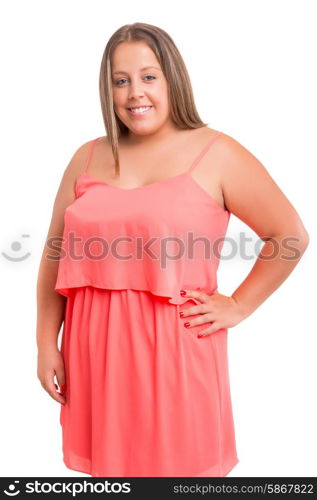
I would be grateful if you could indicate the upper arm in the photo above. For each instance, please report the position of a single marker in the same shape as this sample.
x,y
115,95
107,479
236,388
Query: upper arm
x,y
251,194
66,195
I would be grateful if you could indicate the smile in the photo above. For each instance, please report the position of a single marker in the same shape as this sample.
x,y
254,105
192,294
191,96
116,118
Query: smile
x,y
140,111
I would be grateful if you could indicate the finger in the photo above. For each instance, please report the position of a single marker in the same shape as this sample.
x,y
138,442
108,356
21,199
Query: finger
x,y
61,388
209,331
196,294
49,387
190,311
60,375
200,320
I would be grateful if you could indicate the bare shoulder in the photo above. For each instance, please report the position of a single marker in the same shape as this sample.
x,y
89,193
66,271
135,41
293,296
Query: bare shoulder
x,y
74,169
102,155
66,194
251,193
103,144
80,156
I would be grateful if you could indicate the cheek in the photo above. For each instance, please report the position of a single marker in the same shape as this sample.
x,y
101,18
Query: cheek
x,y
118,99
158,96
163,104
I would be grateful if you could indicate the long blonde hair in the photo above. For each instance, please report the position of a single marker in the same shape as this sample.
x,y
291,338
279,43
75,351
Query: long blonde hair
x,y
183,110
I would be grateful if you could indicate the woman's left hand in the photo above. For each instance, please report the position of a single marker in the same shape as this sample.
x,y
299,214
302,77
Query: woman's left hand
x,y
221,310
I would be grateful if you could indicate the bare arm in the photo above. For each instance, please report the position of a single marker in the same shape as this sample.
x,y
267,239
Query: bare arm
x,y
51,304
252,195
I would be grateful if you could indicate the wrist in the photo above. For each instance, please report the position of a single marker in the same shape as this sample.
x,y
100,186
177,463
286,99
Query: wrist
x,y
46,346
242,308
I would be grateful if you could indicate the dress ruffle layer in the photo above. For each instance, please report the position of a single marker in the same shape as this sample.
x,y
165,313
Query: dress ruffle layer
x,y
163,259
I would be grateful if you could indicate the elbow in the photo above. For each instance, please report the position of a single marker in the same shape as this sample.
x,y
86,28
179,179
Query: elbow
x,y
305,240
297,236
299,231
302,239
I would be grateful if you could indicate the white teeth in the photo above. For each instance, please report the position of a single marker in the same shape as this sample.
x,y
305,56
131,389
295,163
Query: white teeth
x,y
140,110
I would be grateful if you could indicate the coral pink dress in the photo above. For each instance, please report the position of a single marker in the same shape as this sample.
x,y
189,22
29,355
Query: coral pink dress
x,y
145,396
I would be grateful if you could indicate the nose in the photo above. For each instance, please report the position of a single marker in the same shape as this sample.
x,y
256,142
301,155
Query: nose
x,y
135,90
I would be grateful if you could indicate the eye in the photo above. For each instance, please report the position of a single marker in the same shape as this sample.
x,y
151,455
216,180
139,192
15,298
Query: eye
x,y
117,83
151,76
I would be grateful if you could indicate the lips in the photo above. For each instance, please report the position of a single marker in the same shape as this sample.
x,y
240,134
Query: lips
x,y
139,114
141,106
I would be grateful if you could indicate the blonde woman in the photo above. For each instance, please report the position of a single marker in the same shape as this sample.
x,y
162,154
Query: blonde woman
x,y
143,211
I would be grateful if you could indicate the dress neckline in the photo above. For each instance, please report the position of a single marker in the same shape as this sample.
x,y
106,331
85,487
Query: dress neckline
x,y
188,171
136,187
185,175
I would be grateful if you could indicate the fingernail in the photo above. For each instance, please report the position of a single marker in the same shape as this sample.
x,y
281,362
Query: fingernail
x,y
181,314
187,324
199,336
183,292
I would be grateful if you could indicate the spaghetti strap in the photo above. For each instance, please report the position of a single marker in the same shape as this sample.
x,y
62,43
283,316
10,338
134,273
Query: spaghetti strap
x,y
90,153
203,152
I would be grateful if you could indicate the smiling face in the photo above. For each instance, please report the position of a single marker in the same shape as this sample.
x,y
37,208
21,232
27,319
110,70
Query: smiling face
x,y
138,81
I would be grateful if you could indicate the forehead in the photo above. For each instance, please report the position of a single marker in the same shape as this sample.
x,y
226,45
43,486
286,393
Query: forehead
x,y
133,56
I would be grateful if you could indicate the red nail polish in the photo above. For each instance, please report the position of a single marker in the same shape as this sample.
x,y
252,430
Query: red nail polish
x,y
199,336
182,292
181,314
187,324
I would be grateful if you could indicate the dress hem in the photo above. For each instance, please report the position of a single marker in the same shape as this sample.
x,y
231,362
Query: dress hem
x,y
172,298
233,464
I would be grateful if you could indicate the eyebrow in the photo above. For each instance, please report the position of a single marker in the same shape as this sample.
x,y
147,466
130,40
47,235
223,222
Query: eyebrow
x,y
146,67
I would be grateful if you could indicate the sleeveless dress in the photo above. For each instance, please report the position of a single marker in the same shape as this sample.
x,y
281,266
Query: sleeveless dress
x,y
145,397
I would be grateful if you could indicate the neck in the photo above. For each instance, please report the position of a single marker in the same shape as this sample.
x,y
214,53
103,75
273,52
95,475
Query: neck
x,y
152,139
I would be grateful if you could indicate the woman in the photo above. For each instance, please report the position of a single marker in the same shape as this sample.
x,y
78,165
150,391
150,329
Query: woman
x,y
143,367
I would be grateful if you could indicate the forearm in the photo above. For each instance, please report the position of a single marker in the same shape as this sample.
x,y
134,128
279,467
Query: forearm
x,y
50,306
273,265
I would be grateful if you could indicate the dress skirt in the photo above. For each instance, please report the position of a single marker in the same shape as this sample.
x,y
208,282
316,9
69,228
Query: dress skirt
x,y
144,396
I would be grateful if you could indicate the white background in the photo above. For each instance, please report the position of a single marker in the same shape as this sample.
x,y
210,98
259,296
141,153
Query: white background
x,y
252,66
